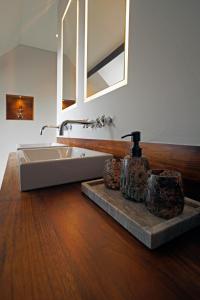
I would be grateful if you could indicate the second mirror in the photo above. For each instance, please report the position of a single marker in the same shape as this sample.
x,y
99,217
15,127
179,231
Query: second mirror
x,y
69,49
107,27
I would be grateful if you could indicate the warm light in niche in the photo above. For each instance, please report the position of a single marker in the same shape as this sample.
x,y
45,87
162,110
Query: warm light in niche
x,y
20,109
19,103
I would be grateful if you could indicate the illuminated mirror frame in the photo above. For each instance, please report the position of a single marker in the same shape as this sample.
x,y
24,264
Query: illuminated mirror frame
x,y
77,40
120,83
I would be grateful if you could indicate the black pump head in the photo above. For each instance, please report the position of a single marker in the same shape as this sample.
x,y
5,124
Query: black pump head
x,y
135,138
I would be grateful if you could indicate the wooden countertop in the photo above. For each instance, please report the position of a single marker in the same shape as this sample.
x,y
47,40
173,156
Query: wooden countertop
x,y
57,244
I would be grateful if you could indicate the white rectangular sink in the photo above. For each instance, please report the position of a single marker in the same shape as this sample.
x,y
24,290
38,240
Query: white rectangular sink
x,y
43,167
39,145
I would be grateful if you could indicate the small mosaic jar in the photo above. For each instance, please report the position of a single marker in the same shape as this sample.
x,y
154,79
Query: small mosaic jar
x,y
165,197
111,173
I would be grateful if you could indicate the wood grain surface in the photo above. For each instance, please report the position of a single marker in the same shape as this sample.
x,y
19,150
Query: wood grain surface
x,y
185,159
56,244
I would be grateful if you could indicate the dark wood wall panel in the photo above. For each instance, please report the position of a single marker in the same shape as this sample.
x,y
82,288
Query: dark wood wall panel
x,y
185,159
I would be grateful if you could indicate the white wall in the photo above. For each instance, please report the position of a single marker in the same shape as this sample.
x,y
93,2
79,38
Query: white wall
x,y
32,72
162,98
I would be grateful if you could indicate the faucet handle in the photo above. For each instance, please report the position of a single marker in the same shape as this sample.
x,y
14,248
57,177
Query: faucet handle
x,y
103,120
109,120
98,122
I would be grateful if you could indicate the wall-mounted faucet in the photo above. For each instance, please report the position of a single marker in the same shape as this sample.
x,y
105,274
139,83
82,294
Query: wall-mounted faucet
x,y
98,123
47,126
80,122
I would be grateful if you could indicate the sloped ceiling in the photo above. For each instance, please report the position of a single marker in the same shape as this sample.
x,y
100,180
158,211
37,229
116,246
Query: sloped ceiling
x,y
10,18
28,22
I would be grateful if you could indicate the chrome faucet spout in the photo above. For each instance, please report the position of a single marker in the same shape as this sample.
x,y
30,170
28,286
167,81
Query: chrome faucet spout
x,y
42,129
80,122
47,126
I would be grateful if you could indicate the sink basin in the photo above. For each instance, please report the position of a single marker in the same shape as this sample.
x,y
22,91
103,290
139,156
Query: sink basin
x,y
43,167
39,145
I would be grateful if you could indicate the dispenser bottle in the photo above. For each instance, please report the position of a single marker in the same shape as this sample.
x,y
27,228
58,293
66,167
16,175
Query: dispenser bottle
x,y
134,168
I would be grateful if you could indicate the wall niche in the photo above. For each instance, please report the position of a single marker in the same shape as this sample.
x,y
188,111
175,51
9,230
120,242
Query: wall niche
x,y
19,107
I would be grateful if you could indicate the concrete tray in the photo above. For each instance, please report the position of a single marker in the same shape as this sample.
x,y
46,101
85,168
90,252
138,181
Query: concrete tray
x,y
149,229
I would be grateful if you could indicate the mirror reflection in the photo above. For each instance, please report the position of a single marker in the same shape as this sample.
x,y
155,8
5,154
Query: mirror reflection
x,y
69,40
106,45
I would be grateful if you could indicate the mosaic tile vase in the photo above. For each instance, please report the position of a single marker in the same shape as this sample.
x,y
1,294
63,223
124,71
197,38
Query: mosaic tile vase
x,y
133,179
165,196
111,173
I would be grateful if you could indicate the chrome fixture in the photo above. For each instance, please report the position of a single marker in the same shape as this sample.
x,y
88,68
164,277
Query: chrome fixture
x,y
103,121
65,123
100,122
47,126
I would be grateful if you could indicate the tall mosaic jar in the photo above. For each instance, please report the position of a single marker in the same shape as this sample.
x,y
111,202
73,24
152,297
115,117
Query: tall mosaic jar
x,y
133,179
111,173
165,197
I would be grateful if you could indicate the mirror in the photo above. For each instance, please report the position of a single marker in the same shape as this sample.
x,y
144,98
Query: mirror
x,y
107,46
69,53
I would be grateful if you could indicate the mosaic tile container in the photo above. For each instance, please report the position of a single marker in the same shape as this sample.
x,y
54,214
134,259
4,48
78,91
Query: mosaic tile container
x,y
133,181
111,173
165,197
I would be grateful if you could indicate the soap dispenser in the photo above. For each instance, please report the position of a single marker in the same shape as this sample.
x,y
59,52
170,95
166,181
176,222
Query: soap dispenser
x,y
134,172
